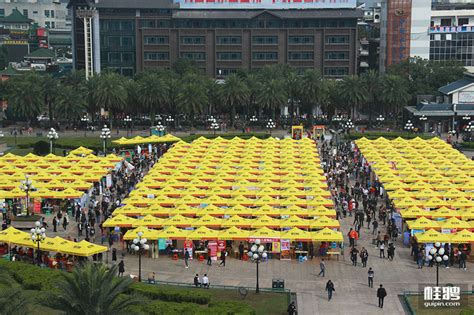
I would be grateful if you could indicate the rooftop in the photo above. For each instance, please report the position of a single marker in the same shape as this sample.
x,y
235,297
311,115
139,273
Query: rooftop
x,y
282,13
15,17
457,85
41,53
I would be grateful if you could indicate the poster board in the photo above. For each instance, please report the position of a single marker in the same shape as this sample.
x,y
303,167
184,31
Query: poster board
x,y
297,132
285,250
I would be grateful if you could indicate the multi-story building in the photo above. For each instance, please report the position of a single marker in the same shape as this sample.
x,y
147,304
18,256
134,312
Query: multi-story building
x,y
220,37
51,14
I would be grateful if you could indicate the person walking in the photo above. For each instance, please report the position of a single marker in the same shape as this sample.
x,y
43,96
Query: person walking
x,y
382,250
322,268
462,260
114,255
121,268
241,251
291,309
364,256
354,253
186,258
351,238
223,255
391,251
381,294
371,275
375,224
55,224
330,289
209,260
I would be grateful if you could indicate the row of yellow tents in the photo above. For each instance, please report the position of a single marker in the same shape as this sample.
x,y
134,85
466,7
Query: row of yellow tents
x,y
234,233
12,236
53,176
210,221
423,223
432,236
145,140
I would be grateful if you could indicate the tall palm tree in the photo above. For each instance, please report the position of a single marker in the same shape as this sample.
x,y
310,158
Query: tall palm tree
x,y
234,93
354,92
151,94
313,90
192,99
71,102
292,90
272,95
395,92
253,84
371,80
213,96
50,92
25,95
111,93
171,83
92,289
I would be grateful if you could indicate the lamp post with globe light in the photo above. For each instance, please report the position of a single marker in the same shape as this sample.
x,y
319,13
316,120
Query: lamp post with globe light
x,y
271,125
169,121
257,253
38,234
349,125
85,121
380,119
139,245
437,255
214,126
409,126
27,186
105,134
128,124
52,136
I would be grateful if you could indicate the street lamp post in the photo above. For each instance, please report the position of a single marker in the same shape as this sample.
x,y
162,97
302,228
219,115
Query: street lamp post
x,y
348,125
52,136
257,253
437,255
409,126
85,121
139,244
128,124
27,186
214,125
380,119
37,236
169,120
160,128
105,134
271,125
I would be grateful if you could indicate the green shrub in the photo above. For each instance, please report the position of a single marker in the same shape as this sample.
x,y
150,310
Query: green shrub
x,y
170,294
31,277
41,148
467,145
161,308
230,308
388,135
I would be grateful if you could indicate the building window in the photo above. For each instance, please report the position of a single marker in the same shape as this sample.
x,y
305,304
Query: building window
x,y
463,21
53,24
52,14
229,40
445,22
35,12
156,40
301,55
301,40
147,23
194,55
193,40
337,39
265,56
126,41
127,57
225,72
25,12
114,41
163,23
47,24
274,23
265,40
336,71
337,55
2,12
46,13
114,57
156,56
229,56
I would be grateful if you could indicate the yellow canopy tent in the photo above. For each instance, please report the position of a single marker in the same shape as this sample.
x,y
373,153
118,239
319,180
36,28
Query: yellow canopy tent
x,y
432,236
265,221
83,248
202,233
207,220
324,222
296,234
119,220
178,220
294,221
81,151
454,223
147,233
264,232
444,212
173,233
422,224
327,235
462,237
236,221
10,234
414,212
233,233
148,221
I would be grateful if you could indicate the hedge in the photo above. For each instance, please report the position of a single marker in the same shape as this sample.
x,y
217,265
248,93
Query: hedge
x,y
467,145
31,277
173,308
388,135
171,295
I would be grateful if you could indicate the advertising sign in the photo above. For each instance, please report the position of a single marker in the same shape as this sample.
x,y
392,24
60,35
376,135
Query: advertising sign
x,y
212,249
266,4
285,249
466,97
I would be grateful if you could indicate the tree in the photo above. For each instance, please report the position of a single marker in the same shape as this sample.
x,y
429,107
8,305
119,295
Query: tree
x,y
313,90
51,89
371,80
3,57
13,299
272,95
151,93
292,90
213,96
234,93
395,92
71,102
111,93
192,97
25,95
354,93
92,289
253,85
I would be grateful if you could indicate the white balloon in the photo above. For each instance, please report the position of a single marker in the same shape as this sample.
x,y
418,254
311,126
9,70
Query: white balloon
x,y
37,223
33,230
146,247
254,248
430,257
136,248
250,254
135,240
43,230
261,249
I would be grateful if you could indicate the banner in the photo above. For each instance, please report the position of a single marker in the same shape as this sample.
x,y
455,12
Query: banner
x,y
37,205
285,249
212,249
276,247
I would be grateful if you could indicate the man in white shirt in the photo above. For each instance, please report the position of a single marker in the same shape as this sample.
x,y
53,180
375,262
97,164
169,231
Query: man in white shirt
x,y
205,281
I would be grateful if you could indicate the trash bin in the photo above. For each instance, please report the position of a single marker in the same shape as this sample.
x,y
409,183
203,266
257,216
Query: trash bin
x,y
278,284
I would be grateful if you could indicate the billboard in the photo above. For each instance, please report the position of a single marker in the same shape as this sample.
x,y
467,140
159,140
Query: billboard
x,y
266,4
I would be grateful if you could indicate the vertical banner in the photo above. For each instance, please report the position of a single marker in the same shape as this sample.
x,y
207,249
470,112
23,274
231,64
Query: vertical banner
x,y
108,180
276,247
188,246
212,249
37,205
285,250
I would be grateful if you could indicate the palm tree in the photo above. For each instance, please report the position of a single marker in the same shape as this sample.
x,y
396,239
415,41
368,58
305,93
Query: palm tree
x,y
25,95
253,84
111,93
171,84
292,90
151,94
371,80
13,300
213,96
192,98
313,90
92,289
354,93
395,92
234,93
71,102
50,92
272,95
